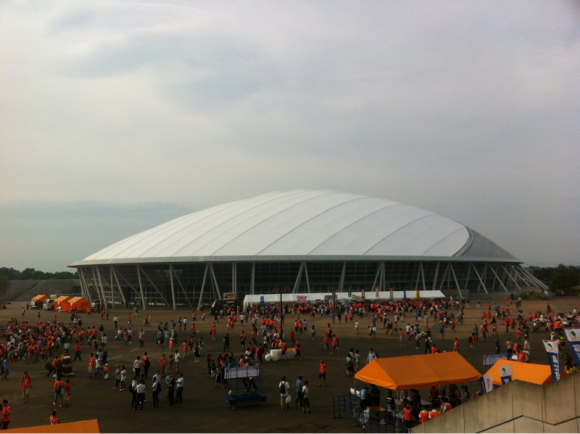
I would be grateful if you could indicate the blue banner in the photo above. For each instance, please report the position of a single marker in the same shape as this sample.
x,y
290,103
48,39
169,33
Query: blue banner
x,y
574,339
552,350
262,302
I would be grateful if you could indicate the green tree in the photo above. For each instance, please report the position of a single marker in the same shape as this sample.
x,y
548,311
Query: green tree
x,y
564,278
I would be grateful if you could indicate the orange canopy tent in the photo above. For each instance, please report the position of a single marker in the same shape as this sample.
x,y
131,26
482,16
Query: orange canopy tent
x,y
39,299
537,374
80,304
62,302
84,426
415,372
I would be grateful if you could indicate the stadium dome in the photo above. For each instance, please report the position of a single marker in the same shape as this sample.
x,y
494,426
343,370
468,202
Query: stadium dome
x,y
305,240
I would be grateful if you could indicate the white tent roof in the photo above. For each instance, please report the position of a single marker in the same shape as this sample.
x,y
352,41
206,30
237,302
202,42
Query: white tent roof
x,y
301,225
312,297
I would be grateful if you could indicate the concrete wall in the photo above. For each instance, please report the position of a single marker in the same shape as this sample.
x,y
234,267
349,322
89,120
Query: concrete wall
x,y
515,408
24,290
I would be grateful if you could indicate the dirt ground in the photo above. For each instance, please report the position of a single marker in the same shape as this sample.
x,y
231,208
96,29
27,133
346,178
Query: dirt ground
x,y
204,408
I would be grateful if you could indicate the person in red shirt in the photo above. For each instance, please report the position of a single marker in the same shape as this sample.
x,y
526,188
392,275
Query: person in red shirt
x,y
25,383
456,345
77,351
283,348
67,390
53,419
5,414
184,346
322,374
162,363
297,348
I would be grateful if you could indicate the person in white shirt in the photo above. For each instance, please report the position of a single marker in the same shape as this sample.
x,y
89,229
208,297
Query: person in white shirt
x,y
179,383
140,389
305,398
284,388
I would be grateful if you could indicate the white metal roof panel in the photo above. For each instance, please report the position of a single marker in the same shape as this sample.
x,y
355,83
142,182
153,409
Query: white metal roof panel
x,y
301,223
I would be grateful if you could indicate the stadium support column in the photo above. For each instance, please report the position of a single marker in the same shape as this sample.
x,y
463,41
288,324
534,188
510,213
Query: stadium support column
x,y
172,286
498,279
383,280
479,277
435,278
172,270
95,285
140,286
423,277
119,285
253,278
298,278
511,277
307,279
101,285
342,273
235,279
200,302
155,287
215,282
456,281
84,287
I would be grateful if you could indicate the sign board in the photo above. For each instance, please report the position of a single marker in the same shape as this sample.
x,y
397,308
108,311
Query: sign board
x,y
262,302
301,298
553,357
574,339
493,358
229,295
376,292
391,290
245,372
487,384
505,373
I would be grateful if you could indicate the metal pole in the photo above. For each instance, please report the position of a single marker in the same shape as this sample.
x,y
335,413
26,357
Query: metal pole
x,y
141,287
172,287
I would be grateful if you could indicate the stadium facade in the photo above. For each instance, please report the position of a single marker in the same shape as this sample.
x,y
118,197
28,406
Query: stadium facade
x,y
304,241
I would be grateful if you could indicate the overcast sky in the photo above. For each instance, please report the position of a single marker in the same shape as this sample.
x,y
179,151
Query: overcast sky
x,y
116,116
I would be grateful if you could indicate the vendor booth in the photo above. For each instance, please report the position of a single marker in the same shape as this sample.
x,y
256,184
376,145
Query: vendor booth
x,y
39,300
79,304
61,304
416,372
537,374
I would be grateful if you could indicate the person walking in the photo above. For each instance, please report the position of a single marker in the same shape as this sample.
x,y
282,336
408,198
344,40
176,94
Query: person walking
x,y
299,392
25,384
305,398
67,391
58,392
179,386
284,389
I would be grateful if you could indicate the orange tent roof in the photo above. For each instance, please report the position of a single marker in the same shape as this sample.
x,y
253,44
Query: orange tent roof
x,y
415,372
84,426
78,300
40,297
62,299
537,374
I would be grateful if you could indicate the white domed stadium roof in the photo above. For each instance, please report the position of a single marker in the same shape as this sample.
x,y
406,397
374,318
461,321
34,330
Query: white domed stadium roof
x,y
303,225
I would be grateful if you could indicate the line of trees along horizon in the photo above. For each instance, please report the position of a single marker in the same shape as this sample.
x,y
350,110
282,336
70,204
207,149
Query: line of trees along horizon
x,y
32,274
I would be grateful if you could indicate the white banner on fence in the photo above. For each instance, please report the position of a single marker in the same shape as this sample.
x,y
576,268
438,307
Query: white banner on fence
x,y
245,372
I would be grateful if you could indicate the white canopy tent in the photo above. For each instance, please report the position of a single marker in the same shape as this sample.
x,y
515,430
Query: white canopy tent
x,y
313,297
